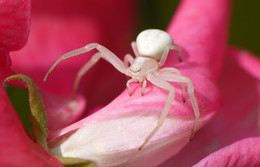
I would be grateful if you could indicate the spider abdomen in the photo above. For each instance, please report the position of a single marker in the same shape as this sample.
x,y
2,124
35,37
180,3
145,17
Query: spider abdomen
x,y
152,42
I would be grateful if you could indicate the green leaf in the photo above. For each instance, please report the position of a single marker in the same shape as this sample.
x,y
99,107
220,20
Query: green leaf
x,y
19,100
75,162
38,113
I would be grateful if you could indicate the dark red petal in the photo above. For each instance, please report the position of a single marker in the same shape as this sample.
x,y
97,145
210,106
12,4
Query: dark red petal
x,y
14,25
5,63
17,149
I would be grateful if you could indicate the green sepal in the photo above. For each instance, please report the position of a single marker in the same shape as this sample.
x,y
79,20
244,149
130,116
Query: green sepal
x,y
38,112
75,162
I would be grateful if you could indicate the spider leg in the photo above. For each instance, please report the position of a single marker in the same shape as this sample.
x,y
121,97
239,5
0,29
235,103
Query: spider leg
x,y
167,86
174,70
143,87
134,47
84,69
166,53
128,60
105,54
183,79
128,85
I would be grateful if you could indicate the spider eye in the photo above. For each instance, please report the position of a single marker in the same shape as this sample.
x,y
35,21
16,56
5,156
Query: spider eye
x,y
135,69
152,42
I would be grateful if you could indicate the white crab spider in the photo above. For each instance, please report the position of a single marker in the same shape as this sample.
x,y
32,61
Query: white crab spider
x,y
151,50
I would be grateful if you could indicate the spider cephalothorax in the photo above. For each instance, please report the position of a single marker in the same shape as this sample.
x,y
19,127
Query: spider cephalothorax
x,y
151,50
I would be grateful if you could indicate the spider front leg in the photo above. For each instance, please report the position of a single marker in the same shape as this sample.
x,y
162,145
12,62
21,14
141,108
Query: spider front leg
x,y
167,86
128,60
134,47
179,78
128,85
94,59
135,80
143,87
103,53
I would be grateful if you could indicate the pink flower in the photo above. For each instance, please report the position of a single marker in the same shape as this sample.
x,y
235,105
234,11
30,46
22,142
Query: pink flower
x,y
111,135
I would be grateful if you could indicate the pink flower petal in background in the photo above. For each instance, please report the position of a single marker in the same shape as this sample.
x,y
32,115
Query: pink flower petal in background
x,y
14,29
238,116
242,153
57,29
113,134
17,149
62,111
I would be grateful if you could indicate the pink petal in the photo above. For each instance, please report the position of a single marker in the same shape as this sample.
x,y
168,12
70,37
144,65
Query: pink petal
x,y
238,116
119,129
241,153
201,29
17,149
246,60
14,25
197,27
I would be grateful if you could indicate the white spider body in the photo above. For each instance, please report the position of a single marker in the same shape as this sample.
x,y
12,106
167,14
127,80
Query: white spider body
x,y
152,42
151,50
